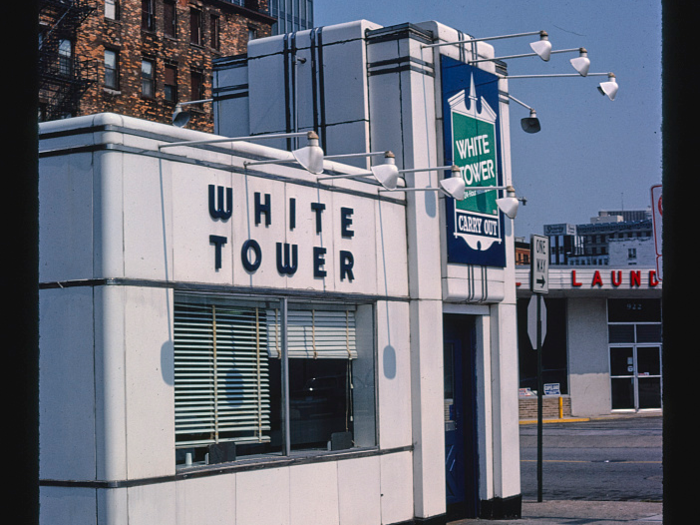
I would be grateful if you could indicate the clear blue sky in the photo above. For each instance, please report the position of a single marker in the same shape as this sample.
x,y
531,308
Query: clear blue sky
x,y
592,153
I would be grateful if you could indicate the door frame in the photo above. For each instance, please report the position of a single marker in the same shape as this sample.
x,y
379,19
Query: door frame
x,y
460,331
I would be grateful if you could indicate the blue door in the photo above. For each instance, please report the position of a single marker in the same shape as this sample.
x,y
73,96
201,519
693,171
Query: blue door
x,y
461,456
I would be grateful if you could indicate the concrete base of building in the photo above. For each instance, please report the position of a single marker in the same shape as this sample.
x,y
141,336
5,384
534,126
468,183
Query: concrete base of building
x,y
501,508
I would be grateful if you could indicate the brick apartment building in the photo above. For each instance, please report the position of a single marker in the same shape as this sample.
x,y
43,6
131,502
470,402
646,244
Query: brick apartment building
x,y
139,57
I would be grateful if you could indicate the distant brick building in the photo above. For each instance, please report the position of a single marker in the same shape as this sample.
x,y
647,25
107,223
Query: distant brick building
x,y
140,57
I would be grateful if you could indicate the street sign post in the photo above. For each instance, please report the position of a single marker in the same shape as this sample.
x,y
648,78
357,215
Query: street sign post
x,y
536,325
539,264
539,285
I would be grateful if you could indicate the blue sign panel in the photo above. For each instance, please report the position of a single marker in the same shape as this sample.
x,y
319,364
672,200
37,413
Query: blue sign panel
x,y
472,141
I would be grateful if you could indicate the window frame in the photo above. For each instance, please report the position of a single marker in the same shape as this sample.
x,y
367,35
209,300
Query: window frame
x,y
114,70
197,89
148,82
196,26
112,10
148,15
170,85
215,31
278,336
66,50
170,18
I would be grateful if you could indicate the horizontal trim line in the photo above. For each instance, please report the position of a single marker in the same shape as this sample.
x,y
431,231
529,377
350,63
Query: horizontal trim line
x,y
401,69
219,97
227,468
399,32
93,148
400,60
218,288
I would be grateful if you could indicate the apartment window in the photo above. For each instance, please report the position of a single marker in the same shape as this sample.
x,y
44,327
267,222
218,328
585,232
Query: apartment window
x,y
231,391
111,79
197,85
169,19
196,26
170,83
112,9
148,15
215,32
148,78
65,57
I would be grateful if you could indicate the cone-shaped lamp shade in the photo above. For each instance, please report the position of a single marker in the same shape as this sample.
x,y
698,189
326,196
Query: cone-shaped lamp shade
x,y
311,156
609,88
387,174
581,63
454,186
509,206
180,117
543,47
531,124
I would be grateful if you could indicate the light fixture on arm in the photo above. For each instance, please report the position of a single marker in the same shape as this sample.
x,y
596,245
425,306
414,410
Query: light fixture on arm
x,y
536,46
608,88
386,173
455,187
310,157
529,124
542,48
182,117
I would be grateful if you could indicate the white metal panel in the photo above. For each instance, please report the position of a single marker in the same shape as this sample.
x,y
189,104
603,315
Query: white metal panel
x,y
65,218
313,494
67,384
397,487
359,491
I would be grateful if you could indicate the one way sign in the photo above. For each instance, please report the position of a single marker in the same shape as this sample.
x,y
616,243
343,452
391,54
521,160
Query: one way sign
x,y
539,264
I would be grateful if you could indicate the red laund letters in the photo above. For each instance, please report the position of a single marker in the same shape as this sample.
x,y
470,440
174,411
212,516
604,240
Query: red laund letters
x,y
574,282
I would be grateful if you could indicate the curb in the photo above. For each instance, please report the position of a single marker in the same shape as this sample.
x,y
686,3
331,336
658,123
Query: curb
x,y
655,413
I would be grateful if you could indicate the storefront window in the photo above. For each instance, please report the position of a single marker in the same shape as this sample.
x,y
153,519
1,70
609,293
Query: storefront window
x,y
232,396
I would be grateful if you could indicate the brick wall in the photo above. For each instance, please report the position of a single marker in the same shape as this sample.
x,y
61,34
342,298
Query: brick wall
x,y
132,44
550,407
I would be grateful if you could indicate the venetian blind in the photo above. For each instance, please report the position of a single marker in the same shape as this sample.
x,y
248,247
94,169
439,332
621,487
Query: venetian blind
x,y
314,334
221,374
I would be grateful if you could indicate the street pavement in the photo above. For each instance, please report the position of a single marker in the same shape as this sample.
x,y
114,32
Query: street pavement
x,y
579,512
563,512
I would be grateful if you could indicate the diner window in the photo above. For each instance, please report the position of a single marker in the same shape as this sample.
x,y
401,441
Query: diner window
x,y
148,15
148,81
170,83
232,395
169,19
111,78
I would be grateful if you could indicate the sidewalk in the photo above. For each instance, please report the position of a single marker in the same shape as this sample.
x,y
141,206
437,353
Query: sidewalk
x,y
581,512
577,512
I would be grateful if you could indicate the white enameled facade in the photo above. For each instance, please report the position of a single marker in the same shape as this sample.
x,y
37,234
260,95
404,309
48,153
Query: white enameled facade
x,y
125,227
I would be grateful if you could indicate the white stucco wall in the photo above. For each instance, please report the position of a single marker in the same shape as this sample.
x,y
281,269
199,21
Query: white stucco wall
x,y
587,354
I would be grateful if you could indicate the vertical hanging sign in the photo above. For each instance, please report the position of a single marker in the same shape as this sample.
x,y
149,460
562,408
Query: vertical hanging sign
x,y
472,142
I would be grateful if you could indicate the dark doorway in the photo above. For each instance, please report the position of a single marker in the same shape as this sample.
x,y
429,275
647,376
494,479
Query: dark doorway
x,y
461,454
